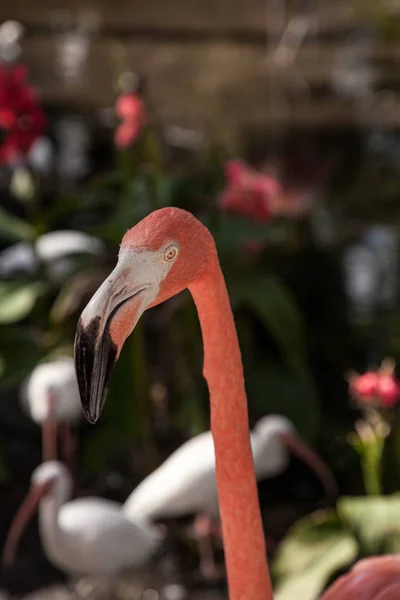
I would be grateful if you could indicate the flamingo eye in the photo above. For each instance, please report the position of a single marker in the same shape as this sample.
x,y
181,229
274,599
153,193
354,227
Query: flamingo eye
x,y
170,253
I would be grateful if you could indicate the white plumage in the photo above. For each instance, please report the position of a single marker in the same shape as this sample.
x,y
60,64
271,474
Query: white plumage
x,y
58,380
89,536
185,483
55,249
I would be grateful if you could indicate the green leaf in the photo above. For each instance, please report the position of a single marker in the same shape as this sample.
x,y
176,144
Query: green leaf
x,y
315,548
392,541
13,228
17,298
22,184
372,519
275,306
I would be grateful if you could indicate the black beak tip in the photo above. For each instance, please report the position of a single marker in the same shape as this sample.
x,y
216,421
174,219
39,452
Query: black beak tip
x,y
90,416
94,361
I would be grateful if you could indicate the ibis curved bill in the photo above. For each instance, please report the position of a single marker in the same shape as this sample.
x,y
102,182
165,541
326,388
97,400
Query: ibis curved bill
x,y
89,536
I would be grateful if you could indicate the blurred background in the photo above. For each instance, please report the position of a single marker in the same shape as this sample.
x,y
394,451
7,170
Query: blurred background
x,y
275,122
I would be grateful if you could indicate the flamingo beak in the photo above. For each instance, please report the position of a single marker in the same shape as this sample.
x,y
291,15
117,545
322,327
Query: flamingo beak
x,y
21,519
107,321
303,451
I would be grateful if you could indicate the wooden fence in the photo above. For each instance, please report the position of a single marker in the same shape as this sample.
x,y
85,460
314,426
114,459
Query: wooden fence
x,y
208,60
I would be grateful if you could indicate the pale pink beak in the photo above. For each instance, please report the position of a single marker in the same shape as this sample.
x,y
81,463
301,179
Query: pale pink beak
x,y
303,451
21,519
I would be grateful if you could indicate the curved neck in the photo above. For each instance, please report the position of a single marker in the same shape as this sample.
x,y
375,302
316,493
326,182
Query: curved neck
x,y
244,543
50,533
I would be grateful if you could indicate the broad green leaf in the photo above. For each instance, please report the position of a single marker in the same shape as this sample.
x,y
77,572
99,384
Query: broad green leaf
x,y
275,306
22,184
371,518
13,228
17,298
315,548
392,542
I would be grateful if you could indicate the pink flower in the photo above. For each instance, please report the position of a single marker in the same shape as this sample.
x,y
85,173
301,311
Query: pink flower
x,y
364,387
292,202
388,390
378,388
131,110
21,118
129,106
125,134
248,192
235,171
249,203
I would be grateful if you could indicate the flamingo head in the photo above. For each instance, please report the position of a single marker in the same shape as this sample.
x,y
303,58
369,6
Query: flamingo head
x,y
158,258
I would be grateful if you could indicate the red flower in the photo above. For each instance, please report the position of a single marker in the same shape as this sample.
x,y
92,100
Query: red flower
x,y
21,118
388,390
125,134
131,110
248,192
364,387
378,388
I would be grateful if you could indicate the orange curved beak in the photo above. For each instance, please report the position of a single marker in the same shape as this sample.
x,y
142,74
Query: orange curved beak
x,y
21,519
303,451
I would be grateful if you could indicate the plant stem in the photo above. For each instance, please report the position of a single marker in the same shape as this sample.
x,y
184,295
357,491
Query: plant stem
x,y
371,465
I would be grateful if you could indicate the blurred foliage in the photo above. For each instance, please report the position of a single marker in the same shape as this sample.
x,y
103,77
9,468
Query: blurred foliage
x,y
39,310
299,327
293,325
321,545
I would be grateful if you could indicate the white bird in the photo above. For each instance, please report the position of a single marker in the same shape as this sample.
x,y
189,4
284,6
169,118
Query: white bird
x,y
54,249
185,483
86,536
51,397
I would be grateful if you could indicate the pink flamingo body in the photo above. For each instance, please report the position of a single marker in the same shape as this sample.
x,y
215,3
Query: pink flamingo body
x,y
376,578
166,252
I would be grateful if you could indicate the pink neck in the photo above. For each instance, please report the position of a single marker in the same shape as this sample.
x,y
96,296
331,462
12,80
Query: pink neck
x,y
244,543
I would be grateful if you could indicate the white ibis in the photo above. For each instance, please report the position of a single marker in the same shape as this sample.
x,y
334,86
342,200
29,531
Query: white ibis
x,y
86,536
54,249
51,397
185,483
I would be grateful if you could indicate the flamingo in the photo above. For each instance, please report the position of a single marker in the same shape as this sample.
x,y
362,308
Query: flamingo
x,y
87,536
166,252
375,578
51,397
185,482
